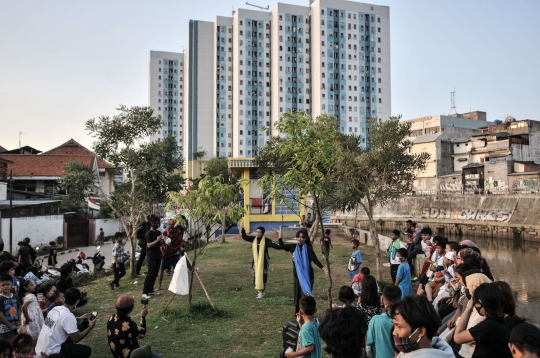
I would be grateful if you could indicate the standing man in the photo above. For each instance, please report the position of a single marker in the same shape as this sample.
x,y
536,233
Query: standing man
x,y
141,241
309,220
259,265
33,253
24,256
172,248
416,247
119,258
101,237
391,253
154,240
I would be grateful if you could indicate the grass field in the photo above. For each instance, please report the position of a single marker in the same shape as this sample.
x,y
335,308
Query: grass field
x,y
241,325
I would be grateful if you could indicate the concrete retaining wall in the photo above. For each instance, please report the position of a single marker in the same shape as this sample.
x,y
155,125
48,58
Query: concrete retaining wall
x,y
502,216
40,229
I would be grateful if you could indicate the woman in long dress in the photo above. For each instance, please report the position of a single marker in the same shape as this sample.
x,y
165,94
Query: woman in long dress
x,y
302,255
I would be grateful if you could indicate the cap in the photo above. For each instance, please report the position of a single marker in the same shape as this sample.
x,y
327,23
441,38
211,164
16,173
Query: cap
x,y
125,301
449,255
525,333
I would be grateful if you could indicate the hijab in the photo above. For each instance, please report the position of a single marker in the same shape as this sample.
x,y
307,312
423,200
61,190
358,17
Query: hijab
x,y
473,279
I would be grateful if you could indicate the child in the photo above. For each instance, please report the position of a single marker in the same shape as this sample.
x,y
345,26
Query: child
x,y
8,268
32,317
309,341
58,300
391,253
52,254
10,309
436,264
378,340
5,349
357,281
403,277
356,259
23,346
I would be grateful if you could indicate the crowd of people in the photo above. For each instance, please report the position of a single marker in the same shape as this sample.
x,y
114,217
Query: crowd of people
x,y
459,309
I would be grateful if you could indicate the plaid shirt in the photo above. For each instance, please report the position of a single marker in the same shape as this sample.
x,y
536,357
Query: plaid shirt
x,y
118,252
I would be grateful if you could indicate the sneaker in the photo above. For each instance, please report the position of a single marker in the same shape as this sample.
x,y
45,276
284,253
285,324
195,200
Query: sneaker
x,y
168,273
154,293
145,296
260,295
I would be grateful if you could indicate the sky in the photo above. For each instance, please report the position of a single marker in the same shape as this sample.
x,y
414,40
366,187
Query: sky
x,y
63,62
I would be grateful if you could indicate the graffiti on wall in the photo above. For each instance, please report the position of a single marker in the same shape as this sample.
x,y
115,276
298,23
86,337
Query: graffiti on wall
x,y
495,185
450,185
525,184
467,214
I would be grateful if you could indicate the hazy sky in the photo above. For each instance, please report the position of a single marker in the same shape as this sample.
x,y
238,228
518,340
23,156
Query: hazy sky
x,y
63,62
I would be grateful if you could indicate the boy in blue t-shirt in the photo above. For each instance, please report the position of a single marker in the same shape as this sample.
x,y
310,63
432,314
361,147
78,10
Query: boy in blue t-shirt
x,y
356,259
403,276
378,338
309,341
10,309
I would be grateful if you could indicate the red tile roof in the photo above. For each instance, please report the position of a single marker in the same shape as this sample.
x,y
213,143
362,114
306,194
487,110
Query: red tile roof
x,y
43,165
71,147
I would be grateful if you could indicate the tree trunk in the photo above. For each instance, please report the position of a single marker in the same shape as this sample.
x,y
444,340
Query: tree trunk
x,y
193,266
374,239
223,223
320,219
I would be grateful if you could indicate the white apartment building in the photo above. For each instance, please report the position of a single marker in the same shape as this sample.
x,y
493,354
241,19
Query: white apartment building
x,y
243,72
166,93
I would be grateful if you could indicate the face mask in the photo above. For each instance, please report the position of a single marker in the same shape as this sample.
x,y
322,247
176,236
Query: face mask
x,y
11,272
124,242
402,343
478,310
1,247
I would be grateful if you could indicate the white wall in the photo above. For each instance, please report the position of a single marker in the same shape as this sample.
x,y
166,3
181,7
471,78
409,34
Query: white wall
x,y
110,226
3,191
40,229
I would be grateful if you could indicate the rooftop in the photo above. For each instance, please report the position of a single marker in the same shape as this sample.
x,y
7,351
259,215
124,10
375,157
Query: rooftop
x,y
426,138
43,165
72,147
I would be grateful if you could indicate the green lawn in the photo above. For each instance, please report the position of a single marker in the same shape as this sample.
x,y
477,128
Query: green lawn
x,y
242,326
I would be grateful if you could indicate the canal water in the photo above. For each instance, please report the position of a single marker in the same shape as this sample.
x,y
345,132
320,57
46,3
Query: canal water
x,y
518,263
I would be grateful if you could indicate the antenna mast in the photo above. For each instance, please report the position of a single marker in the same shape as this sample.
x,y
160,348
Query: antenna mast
x,y
453,102
260,7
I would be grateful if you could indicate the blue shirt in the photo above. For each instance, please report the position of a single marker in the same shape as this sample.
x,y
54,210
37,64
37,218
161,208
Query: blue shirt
x,y
378,334
404,275
356,258
309,335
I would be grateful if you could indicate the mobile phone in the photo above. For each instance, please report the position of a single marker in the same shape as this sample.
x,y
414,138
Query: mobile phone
x,y
93,316
448,274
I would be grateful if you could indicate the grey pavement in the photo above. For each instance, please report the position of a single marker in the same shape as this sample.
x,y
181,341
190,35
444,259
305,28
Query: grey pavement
x,y
63,256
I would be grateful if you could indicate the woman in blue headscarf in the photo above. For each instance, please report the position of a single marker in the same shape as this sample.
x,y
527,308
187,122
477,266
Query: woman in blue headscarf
x,y
302,255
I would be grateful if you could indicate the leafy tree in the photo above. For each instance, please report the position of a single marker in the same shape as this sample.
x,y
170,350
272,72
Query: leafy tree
x,y
153,169
77,180
214,202
217,167
378,174
305,160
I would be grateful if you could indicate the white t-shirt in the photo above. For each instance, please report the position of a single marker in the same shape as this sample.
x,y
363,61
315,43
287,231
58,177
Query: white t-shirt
x,y
59,324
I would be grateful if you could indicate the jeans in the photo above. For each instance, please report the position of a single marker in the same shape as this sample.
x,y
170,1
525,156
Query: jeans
x,y
141,258
119,272
71,350
153,271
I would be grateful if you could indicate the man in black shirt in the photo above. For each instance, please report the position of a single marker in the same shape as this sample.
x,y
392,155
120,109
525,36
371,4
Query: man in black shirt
x,y
141,240
153,242
4,255
33,253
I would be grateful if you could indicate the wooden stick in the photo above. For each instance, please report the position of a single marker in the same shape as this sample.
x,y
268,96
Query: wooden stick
x,y
168,304
204,289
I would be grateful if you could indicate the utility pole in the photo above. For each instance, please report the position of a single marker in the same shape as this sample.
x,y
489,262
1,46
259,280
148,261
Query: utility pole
x,y
11,211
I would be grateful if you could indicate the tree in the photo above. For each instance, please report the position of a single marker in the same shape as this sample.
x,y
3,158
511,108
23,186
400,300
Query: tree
x,y
378,174
77,180
153,169
214,202
217,167
305,161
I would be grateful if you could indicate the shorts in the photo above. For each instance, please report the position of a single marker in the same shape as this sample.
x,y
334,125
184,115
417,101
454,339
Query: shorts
x,y
170,262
